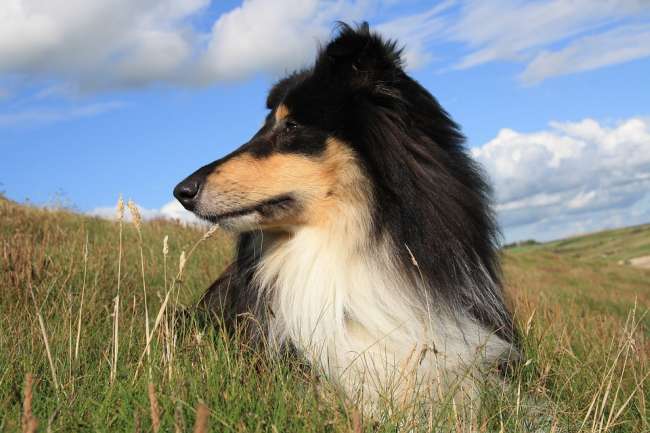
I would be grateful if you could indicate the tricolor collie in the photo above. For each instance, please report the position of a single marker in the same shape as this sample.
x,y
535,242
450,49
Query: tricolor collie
x,y
366,241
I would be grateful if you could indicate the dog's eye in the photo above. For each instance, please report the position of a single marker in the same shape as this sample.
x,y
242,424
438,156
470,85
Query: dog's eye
x,y
290,125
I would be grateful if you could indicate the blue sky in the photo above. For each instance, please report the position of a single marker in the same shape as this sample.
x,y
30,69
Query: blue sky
x,y
104,97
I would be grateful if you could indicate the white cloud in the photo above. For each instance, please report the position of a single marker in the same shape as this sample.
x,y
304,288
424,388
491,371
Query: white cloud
x,y
281,35
551,179
42,116
592,52
265,35
171,211
517,30
97,43
124,43
416,32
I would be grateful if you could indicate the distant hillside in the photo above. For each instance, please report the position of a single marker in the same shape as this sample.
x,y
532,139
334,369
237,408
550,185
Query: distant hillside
x,y
602,270
612,245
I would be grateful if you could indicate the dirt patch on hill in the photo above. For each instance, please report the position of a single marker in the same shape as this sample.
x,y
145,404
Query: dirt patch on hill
x,y
638,262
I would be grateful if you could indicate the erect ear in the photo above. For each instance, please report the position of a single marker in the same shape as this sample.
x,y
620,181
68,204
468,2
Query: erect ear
x,y
280,89
358,53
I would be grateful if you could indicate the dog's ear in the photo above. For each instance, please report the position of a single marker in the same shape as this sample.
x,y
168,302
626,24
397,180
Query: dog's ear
x,y
362,56
280,88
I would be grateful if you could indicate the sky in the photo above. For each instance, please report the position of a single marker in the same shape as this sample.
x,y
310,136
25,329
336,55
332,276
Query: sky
x,y
106,97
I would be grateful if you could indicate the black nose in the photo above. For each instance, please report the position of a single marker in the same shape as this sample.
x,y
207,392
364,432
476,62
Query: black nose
x,y
186,192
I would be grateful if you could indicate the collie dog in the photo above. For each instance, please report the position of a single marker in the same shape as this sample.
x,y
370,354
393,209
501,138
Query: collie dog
x,y
366,240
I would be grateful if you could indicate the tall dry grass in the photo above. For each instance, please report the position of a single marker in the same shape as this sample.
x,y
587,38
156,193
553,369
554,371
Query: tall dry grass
x,y
584,326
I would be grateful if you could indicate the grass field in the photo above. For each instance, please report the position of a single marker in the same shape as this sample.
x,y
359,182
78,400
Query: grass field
x,y
583,317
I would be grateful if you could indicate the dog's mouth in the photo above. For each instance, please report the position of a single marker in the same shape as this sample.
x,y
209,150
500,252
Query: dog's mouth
x,y
266,208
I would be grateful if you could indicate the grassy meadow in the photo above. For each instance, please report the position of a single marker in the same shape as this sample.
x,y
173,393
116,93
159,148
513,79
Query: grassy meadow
x,y
79,296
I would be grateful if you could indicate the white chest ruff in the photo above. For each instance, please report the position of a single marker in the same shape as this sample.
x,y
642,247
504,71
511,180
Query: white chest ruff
x,y
349,308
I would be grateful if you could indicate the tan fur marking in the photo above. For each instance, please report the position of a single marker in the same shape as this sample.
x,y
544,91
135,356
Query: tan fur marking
x,y
281,112
323,185
348,187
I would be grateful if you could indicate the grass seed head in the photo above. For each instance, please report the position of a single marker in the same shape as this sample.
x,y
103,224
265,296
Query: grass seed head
x,y
181,262
135,214
165,246
210,232
120,208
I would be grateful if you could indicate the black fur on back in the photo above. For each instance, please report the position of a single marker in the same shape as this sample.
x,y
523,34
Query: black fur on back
x,y
430,196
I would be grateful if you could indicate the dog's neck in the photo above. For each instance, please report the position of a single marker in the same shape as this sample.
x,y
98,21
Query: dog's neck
x,y
315,275
335,291
341,297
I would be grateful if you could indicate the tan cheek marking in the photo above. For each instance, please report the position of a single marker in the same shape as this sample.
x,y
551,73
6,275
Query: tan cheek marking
x,y
328,185
348,189
281,113
255,180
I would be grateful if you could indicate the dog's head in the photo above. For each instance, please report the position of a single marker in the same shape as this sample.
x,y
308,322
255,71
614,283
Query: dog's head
x,y
301,165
